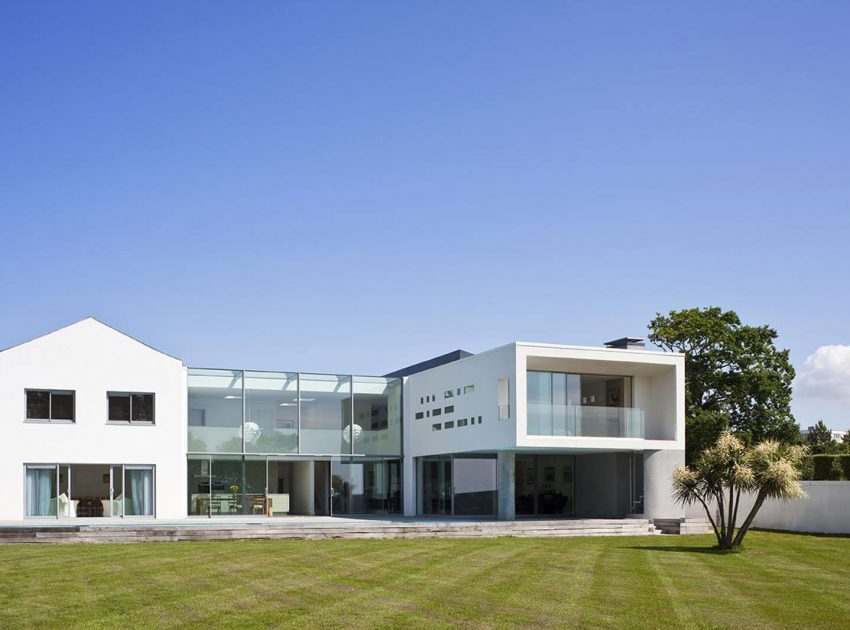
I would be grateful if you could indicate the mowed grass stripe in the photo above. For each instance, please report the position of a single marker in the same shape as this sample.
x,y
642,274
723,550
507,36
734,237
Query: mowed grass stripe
x,y
781,581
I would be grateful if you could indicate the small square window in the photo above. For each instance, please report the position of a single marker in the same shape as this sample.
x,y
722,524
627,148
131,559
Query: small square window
x,y
469,389
419,415
449,409
448,394
437,412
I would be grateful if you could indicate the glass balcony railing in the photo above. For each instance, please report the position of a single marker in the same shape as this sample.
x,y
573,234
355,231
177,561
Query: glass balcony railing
x,y
585,421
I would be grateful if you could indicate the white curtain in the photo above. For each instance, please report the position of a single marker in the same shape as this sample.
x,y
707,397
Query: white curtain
x,y
40,485
139,498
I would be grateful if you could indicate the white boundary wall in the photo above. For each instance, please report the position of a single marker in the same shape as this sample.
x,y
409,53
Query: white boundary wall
x,y
825,511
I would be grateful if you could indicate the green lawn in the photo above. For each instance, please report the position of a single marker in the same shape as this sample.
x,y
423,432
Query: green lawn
x,y
782,580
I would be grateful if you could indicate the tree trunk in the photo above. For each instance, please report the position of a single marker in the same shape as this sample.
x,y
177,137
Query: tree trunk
x,y
746,524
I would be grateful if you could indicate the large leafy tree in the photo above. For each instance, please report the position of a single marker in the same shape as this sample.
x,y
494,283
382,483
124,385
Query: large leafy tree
x,y
736,378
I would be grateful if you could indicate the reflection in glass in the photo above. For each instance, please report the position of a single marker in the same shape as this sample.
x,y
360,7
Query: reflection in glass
x,y
271,412
582,404
435,485
215,411
366,487
377,415
475,485
326,414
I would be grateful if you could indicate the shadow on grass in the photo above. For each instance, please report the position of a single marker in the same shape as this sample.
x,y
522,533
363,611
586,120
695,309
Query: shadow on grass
x,y
683,549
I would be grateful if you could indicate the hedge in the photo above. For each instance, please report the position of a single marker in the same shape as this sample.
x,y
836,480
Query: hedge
x,y
826,467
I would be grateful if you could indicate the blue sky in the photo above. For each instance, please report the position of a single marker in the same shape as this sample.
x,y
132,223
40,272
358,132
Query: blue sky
x,y
354,187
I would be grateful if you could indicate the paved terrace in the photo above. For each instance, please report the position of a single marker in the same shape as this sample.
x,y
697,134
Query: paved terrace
x,y
99,530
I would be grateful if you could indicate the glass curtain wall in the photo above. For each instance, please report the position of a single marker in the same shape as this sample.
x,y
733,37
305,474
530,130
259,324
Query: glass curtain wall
x,y
460,485
582,404
274,415
366,487
544,484
325,414
377,415
215,411
271,412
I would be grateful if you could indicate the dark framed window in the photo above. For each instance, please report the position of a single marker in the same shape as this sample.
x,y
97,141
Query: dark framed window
x,y
50,405
130,407
449,409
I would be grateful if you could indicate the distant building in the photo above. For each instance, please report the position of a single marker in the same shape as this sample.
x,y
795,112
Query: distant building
x,y
837,436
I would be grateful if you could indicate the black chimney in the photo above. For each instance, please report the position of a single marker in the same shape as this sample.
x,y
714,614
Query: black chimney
x,y
626,343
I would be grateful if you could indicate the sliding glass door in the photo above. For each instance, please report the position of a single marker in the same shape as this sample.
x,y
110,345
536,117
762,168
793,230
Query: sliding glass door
x,y
138,495
459,485
41,493
89,490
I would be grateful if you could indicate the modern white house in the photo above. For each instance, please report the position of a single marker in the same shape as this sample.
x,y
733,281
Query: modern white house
x,y
96,424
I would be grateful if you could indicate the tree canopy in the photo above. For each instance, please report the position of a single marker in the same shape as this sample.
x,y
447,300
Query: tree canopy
x,y
735,377
819,440
722,472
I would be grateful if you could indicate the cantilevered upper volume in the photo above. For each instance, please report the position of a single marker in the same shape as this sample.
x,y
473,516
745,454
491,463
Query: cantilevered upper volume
x,y
100,425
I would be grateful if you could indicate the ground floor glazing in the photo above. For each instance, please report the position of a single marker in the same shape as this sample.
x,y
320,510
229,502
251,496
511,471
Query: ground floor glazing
x,y
220,485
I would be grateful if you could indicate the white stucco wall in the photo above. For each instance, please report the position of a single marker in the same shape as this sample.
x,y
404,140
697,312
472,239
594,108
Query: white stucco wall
x,y
92,359
826,510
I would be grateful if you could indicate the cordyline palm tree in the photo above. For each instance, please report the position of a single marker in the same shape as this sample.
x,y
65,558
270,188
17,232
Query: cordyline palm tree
x,y
724,471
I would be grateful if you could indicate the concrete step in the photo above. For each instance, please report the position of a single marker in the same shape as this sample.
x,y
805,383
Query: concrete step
x,y
326,530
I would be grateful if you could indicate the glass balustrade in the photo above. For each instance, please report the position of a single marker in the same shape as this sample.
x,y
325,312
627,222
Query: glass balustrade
x,y
585,421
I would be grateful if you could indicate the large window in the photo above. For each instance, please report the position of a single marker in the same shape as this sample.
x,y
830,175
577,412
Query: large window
x,y
89,490
271,412
377,416
461,485
50,405
236,412
326,414
215,411
131,407
366,487
582,405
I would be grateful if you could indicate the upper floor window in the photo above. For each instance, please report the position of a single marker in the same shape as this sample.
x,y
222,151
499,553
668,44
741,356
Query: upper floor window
x,y
131,407
50,405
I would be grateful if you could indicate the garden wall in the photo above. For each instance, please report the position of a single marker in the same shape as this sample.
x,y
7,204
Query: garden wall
x,y
826,510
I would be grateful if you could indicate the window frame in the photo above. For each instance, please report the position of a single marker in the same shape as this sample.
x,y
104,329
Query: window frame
x,y
129,395
50,393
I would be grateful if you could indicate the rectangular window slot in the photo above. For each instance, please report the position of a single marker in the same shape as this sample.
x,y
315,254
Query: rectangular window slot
x,y
469,389
449,425
449,409
437,427
419,415
437,412
50,405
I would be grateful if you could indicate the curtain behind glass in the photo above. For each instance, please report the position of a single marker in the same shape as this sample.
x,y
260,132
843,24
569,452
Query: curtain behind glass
x,y
139,496
40,491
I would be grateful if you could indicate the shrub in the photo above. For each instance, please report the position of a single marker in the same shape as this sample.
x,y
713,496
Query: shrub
x,y
807,469
844,461
826,468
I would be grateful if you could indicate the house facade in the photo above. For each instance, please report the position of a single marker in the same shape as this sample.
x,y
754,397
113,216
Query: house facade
x,y
99,425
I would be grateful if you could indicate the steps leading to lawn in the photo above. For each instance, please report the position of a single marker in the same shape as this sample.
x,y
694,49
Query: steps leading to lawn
x,y
683,525
123,533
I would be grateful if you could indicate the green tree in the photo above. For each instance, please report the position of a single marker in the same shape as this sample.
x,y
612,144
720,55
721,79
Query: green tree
x,y
735,377
845,442
819,439
721,473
